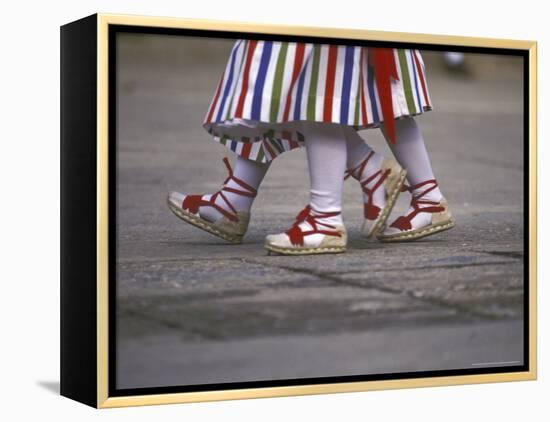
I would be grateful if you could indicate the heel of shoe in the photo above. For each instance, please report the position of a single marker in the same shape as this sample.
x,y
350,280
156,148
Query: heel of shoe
x,y
440,221
396,178
235,229
392,185
443,216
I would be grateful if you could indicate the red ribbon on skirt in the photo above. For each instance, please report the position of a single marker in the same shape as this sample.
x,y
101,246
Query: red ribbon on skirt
x,y
385,69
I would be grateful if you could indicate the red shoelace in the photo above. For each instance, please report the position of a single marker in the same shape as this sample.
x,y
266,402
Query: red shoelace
x,y
370,210
192,203
403,223
296,234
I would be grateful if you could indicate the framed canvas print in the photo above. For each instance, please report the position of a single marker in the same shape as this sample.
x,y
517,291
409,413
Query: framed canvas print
x,y
257,211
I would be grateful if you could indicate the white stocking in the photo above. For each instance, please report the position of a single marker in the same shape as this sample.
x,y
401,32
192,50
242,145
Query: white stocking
x,y
411,153
326,157
250,172
358,151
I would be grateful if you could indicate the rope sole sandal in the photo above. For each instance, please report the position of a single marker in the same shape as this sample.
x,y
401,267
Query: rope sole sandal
x,y
327,238
402,229
391,178
231,226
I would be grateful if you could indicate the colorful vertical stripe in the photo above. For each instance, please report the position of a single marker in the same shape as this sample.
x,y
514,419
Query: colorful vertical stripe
x,y
267,84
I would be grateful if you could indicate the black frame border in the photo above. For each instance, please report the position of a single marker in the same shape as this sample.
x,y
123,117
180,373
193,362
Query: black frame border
x,y
78,208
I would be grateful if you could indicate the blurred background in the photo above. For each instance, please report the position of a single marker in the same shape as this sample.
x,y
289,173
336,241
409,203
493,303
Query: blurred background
x,y
194,310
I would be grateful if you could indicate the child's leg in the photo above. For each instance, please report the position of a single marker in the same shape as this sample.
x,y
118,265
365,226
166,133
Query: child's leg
x,y
319,227
250,172
358,151
380,178
410,150
226,212
326,158
429,212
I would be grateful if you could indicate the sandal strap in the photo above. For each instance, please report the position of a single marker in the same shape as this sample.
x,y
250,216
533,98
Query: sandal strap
x,y
192,203
404,222
361,167
248,191
296,234
370,210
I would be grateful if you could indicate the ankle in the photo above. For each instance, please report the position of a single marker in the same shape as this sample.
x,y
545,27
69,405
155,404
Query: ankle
x,y
332,217
369,164
434,195
427,190
324,202
240,202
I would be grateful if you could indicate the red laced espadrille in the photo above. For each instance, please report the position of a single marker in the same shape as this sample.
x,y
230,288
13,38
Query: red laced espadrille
x,y
311,233
408,227
390,177
231,226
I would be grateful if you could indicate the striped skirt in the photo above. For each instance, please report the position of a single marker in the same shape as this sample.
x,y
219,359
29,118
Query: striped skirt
x,y
268,88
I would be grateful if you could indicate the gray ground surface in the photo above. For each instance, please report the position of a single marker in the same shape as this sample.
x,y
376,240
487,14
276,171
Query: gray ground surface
x,y
192,309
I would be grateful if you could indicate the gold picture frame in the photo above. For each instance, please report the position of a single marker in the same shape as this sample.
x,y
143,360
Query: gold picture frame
x,y
76,338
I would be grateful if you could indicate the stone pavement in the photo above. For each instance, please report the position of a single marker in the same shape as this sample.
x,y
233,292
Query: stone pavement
x,y
193,309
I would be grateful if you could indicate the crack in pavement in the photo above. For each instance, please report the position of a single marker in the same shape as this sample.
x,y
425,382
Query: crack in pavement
x,y
430,267
461,309
507,254
331,278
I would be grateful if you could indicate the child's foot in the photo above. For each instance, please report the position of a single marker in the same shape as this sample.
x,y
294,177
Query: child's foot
x,y
381,180
216,213
428,214
313,232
